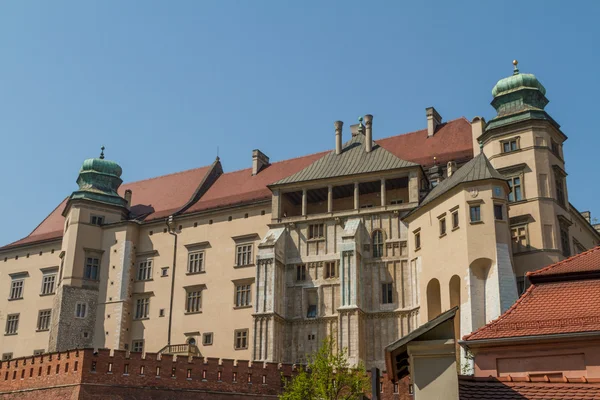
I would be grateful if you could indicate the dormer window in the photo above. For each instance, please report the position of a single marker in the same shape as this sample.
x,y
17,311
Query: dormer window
x,y
97,220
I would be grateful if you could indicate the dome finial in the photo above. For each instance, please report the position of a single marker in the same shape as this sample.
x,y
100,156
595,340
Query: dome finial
x,y
102,153
361,127
515,63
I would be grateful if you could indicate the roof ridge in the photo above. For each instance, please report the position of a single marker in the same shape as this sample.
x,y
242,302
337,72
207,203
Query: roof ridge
x,y
552,266
424,129
44,220
280,161
165,175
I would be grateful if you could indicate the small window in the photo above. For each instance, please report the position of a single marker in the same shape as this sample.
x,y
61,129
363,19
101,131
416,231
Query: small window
x,y
315,231
455,219
442,223
396,201
510,145
300,272
243,254
560,190
367,206
387,290
194,301
16,289
516,193
564,241
207,339
164,271
417,240
43,322
92,266
241,339
475,213
377,243
520,240
196,262
97,220
555,148
311,311
80,310
330,270
311,336
312,299
142,308
137,346
38,352
7,356
498,212
242,295
145,271
161,312
48,283
12,324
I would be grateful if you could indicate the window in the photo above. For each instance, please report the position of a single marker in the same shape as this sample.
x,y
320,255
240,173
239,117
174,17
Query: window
x,y
242,295
241,339
92,265
43,322
38,352
243,254
311,336
475,212
196,262
455,219
516,193
315,231
564,241
193,303
311,303
97,220
397,201
12,324
80,310
555,149
330,270
301,272
442,223
520,241
510,145
522,284
498,212
145,271
48,283
16,289
7,356
142,307
387,290
161,312
417,240
137,346
207,338
164,271
377,244
367,206
560,190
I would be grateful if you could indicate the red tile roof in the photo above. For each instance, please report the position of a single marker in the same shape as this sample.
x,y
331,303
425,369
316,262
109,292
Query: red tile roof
x,y
163,195
568,305
520,389
586,262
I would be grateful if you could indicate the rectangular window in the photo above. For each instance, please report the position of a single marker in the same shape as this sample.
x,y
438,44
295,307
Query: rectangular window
x,y
12,324
418,240
510,145
142,307
241,339
397,201
48,283
145,271
243,254
196,262
560,190
564,241
387,290
498,212
522,284
137,346
301,272
194,301
97,220
311,303
516,193
555,149
520,240
43,322
475,213
455,220
7,356
330,270
315,231
16,289
242,295
164,271
207,338
80,310
92,266
442,223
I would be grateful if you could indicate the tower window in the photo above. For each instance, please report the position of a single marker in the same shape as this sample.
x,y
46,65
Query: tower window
x,y
92,265
80,310
378,244
510,145
520,240
455,219
560,190
516,193
97,220
387,290
137,346
475,213
564,241
498,212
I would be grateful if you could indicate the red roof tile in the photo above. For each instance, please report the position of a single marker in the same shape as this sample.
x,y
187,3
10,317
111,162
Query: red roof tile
x,y
588,261
495,389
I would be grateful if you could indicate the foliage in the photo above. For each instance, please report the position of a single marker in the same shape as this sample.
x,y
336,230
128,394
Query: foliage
x,y
328,376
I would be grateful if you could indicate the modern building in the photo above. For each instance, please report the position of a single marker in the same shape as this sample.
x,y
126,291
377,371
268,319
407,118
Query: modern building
x,y
366,242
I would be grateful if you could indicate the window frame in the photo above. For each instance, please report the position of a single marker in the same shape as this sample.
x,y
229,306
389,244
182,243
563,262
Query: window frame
x,y
516,245
316,231
46,276
17,287
417,239
478,208
443,229
559,183
12,321
144,270
194,299
387,293
240,335
46,319
142,308
242,291
196,262
455,219
330,269
97,220
244,253
513,186
514,140
565,243
205,335
378,243
91,266
499,212
80,305
137,342
301,272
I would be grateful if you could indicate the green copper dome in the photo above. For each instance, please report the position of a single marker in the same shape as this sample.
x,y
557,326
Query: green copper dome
x,y
517,81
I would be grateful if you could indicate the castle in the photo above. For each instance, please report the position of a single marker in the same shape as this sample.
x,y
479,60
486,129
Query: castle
x,y
365,242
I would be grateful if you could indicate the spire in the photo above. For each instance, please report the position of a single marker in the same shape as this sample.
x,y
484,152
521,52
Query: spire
x,y
102,152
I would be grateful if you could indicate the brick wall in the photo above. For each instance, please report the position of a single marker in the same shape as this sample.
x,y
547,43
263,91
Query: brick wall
x,y
85,374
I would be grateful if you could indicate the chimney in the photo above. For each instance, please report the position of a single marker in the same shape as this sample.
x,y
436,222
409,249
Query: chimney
x,y
338,136
477,129
128,194
433,120
369,132
259,161
354,129
451,168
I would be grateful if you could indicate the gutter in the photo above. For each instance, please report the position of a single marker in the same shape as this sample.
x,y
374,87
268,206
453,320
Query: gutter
x,y
170,228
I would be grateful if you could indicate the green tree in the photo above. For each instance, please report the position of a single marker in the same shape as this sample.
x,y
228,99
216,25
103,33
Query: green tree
x,y
328,376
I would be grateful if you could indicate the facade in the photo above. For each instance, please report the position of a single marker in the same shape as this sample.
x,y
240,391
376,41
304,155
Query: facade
x,y
365,242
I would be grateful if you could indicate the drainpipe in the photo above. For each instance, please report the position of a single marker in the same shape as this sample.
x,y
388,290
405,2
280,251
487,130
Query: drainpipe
x,y
171,229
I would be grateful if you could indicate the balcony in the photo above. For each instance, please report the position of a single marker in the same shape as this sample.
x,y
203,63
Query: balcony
x,y
181,349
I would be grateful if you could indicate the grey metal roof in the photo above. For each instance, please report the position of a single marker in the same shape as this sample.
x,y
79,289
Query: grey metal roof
x,y
479,168
352,160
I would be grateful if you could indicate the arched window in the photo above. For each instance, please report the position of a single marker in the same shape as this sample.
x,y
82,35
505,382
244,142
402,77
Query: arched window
x,y
377,244
434,300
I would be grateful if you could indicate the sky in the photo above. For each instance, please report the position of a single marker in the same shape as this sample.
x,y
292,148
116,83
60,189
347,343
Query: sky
x,y
165,85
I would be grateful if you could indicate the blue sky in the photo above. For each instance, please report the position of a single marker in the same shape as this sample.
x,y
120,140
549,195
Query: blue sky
x,y
163,84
